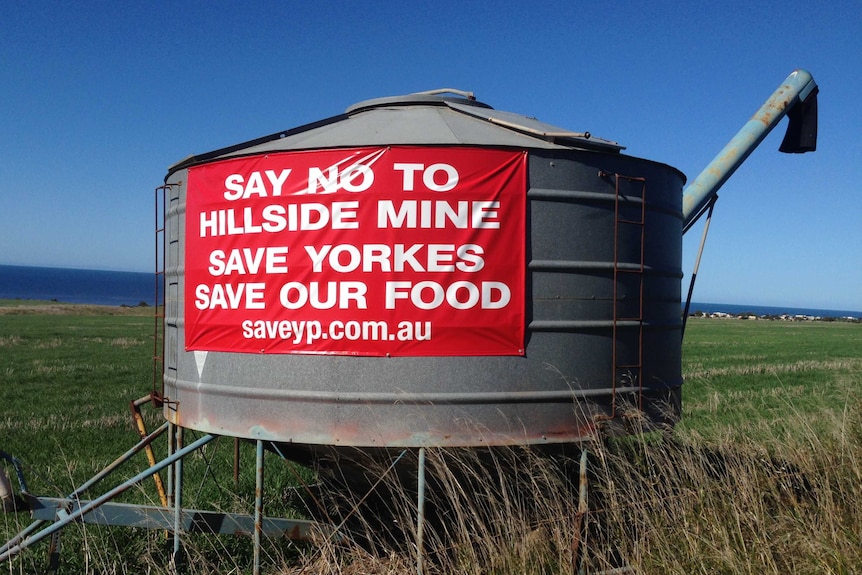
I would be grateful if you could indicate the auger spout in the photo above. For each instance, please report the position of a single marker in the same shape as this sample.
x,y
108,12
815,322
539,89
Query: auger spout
x,y
796,98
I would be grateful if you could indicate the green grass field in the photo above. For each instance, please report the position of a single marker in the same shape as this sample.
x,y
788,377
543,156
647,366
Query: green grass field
x,y
67,381
750,377
755,391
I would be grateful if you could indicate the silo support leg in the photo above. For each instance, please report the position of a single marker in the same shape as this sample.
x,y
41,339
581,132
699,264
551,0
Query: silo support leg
x,y
141,426
580,541
420,514
178,499
258,505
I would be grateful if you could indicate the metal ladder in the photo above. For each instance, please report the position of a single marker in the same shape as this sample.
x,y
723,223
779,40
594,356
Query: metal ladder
x,y
160,302
630,191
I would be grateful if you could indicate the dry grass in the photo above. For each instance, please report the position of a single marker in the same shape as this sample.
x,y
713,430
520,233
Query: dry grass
x,y
657,504
10,341
30,307
58,423
850,365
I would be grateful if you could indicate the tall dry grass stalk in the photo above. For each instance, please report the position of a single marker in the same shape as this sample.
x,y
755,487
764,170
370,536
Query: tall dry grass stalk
x,y
671,502
658,503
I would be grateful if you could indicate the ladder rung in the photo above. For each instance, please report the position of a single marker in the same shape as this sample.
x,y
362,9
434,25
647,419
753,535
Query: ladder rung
x,y
631,218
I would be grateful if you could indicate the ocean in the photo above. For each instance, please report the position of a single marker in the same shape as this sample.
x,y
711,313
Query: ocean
x,y
77,286
132,288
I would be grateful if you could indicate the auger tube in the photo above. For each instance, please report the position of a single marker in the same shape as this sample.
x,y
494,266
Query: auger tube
x,y
797,98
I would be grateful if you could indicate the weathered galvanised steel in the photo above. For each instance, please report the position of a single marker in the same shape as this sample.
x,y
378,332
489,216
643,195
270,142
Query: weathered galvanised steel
x,y
603,312
51,514
583,277
593,285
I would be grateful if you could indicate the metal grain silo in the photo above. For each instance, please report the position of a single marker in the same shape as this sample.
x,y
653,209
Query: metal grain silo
x,y
543,298
419,271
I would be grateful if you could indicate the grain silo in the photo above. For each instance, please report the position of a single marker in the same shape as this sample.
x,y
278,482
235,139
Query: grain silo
x,y
421,270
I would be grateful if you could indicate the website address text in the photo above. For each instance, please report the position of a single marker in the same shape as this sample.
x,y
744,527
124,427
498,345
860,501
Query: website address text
x,y
309,332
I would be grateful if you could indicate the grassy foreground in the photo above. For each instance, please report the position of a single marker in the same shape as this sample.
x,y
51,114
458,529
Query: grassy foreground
x,y
764,475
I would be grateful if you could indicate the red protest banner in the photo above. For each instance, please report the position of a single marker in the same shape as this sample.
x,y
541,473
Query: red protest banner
x,y
406,251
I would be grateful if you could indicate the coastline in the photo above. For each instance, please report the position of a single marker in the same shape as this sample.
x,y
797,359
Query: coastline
x,y
743,311
133,289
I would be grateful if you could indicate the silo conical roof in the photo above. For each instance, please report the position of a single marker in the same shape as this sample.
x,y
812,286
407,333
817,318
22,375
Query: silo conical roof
x,y
425,119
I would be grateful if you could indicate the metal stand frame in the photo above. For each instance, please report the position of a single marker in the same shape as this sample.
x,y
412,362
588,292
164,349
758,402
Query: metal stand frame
x,y
51,515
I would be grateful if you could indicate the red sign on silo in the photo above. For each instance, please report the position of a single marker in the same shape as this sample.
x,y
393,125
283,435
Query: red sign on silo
x,y
401,251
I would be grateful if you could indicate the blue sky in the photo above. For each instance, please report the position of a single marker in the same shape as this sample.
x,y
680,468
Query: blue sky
x,y
98,98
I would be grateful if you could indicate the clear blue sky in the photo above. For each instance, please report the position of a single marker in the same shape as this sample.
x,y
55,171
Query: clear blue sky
x,y
98,98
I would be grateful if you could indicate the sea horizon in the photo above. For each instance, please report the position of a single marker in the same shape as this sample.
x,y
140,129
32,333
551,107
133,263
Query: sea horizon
x,y
106,287
78,286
